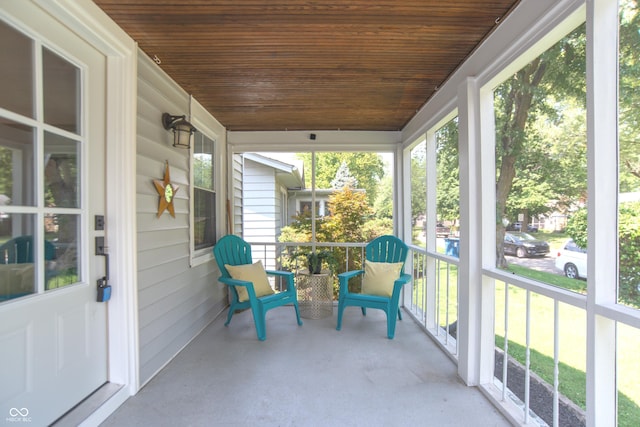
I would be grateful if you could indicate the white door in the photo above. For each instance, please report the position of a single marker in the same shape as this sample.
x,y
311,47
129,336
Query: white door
x,y
53,332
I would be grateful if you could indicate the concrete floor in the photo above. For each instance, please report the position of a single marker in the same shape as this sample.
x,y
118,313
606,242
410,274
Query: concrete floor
x,y
310,375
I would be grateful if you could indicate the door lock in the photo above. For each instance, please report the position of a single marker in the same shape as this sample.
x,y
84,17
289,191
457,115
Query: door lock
x,y
104,290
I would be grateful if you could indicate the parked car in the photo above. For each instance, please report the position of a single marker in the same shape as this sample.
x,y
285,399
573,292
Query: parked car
x,y
517,226
514,226
524,245
442,230
572,259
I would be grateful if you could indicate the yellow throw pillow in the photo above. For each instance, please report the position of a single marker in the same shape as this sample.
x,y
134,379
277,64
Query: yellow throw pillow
x,y
379,277
250,273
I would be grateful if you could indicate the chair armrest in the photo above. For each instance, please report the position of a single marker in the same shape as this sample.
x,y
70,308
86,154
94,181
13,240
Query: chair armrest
x,y
403,279
291,284
234,282
281,273
349,274
399,283
343,280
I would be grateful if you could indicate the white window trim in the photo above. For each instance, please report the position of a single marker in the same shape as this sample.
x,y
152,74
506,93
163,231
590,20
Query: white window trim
x,y
321,206
201,256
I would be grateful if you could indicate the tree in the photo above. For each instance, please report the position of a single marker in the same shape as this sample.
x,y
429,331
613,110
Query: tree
x,y
628,248
6,170
383,206
344,178
562,154
629,254
559,71
514,100
577,227
448,172
349,212
366,168
629,98
418,181
350,221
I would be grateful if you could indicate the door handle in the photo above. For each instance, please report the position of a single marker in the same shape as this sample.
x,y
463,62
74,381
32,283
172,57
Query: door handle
x,y
104,288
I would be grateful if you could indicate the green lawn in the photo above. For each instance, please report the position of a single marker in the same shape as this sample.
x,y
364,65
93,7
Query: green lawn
x,y
554,239
572,325
572,330
579,286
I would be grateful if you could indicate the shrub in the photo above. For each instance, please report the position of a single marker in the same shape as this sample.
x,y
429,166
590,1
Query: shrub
x,y
629,254
628,248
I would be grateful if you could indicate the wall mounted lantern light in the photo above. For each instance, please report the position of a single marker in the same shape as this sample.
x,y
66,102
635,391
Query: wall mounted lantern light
x,y
182,129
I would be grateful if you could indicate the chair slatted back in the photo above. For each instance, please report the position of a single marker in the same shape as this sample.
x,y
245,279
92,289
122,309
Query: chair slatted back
x,y
387,249
231,250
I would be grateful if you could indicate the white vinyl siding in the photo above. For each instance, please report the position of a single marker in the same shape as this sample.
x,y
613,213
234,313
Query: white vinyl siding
x,y
175,300
261,204
236,195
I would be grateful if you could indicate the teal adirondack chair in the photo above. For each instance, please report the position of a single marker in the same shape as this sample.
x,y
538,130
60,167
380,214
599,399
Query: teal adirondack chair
x,y
20,250
382,279
234,251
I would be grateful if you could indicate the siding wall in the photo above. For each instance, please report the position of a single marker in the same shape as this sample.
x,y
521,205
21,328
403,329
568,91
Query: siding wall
x,y
236,194
175,301
261,216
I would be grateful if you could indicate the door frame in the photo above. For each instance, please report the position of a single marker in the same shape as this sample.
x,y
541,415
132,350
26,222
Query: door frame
x,y
89,22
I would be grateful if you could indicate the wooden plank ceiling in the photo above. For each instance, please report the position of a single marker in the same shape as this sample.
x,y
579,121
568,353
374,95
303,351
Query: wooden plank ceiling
x,y
309,65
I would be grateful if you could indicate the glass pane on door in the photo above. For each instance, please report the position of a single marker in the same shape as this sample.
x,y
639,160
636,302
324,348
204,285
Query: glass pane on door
x,y
61,249
17,167
17,255
61,171
61,92
16,73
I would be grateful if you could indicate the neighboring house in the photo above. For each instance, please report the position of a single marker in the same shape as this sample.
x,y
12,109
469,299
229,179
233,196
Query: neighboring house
x,y
301,200
272,192
265,199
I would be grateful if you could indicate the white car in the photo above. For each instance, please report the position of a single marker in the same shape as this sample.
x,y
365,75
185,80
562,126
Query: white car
x,y
572,259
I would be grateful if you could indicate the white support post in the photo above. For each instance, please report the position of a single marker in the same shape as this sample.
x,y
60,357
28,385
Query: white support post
x,y
602,166
432,271
476,295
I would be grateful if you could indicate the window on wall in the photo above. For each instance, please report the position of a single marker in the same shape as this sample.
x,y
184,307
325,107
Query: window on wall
x,y
305,206
204,194
541,167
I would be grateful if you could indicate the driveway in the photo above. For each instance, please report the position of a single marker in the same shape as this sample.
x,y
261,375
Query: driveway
x,y
546,264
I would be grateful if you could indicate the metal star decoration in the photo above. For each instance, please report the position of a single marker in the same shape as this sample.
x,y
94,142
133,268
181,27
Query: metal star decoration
x,y
167,191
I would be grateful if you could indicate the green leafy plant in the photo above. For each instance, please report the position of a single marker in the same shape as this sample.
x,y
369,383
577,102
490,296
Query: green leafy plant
x,y
316,260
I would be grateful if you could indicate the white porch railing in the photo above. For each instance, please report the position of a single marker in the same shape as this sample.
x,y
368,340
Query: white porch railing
x,y
519,304
432,300
273,255
528,315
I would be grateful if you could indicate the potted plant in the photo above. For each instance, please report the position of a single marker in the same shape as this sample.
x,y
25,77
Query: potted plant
x,y
318,259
